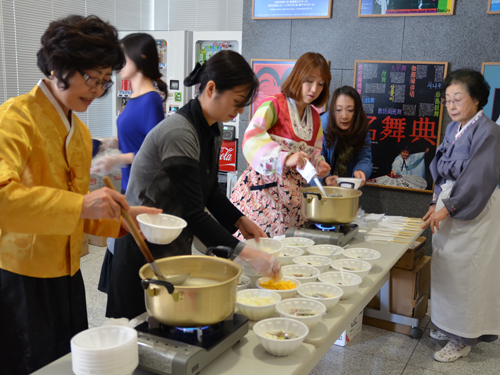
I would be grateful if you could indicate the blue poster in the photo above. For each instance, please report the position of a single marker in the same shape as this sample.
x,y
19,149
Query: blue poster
x,y
291,8
495,6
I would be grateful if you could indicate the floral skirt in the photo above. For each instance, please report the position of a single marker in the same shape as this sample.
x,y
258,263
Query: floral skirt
x,y
272,202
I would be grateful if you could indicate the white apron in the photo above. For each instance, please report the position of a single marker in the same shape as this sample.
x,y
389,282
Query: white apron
x,y
465,271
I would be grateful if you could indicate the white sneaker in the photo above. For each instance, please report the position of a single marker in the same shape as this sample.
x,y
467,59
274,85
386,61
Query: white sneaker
x,y
438,335
452,351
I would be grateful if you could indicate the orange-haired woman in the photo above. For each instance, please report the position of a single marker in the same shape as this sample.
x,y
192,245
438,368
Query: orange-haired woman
x,y
284,132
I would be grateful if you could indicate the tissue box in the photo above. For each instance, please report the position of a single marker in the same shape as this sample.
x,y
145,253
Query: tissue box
x,y
351,331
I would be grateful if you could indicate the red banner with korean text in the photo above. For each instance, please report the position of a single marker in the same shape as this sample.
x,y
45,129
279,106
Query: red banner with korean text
x,y
402,101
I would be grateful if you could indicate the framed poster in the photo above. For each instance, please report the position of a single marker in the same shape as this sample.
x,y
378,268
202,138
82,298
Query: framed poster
x,y
493,6
388,8
271,75
403,104
287,9
491,72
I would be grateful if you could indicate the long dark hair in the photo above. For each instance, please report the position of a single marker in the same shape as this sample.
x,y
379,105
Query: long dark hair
x,y
356,134
78,43
141,49
228,69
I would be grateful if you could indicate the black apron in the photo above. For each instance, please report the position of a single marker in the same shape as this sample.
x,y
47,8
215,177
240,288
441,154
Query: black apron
x,y
125,293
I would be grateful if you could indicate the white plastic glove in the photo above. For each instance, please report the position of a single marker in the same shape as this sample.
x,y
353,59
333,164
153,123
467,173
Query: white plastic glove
x,y
263,262
111,142
104,165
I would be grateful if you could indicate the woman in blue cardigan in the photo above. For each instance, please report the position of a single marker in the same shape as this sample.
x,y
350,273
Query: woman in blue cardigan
x,y
346,142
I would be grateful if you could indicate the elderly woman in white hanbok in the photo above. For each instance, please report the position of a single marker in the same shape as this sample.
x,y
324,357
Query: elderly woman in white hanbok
x,y
464,216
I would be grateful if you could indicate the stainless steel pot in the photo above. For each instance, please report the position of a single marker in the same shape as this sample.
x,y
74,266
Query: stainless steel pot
x,y
191,306
329,210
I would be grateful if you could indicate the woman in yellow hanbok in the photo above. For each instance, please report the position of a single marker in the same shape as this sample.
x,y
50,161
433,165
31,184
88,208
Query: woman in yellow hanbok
x,y
45,154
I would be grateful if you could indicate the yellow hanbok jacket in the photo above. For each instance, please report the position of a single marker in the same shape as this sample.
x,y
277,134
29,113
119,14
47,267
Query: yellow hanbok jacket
x,y
44,174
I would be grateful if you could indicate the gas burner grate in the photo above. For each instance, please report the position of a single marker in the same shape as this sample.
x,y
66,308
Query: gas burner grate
x,y
327,227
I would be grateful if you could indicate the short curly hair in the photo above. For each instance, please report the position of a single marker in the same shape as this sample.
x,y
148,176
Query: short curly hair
x,y
474,82
79,43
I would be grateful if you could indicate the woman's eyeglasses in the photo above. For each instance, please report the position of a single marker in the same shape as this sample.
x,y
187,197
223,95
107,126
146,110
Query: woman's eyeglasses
x,y
455,102
95,82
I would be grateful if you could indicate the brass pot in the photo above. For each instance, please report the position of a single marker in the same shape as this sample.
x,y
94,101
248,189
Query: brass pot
x,y
329,210
191,306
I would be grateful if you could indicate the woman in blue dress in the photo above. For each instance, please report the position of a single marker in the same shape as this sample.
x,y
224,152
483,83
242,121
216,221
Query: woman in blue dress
x,y
144,110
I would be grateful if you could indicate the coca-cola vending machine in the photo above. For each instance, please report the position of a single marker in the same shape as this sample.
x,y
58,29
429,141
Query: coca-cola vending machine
x,y
175,63
228,161
208,43
205,45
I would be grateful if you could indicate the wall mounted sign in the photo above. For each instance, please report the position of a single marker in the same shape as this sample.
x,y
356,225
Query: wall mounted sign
x,y
402,101
491,72
494,6
271,75
286,9
385,8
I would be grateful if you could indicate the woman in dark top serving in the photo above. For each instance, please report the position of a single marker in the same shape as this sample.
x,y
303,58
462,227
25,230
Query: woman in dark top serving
x,y
176,170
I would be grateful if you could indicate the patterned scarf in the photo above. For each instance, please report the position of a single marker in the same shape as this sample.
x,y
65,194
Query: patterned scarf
x,y
342,160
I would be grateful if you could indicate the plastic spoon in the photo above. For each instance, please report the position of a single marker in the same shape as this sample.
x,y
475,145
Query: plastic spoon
x,y
342,274
173,279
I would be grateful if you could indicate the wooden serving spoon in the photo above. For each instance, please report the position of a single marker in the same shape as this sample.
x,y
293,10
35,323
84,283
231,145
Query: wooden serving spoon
x,y
173,279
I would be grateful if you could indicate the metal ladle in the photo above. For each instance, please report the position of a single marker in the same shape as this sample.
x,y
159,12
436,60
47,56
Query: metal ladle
x,y
173,279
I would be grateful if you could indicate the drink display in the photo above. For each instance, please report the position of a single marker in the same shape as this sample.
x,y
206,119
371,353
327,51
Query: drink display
x,y
161,46
205,49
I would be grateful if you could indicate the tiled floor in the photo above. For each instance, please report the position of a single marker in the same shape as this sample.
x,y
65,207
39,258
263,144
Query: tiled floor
x,y
373,352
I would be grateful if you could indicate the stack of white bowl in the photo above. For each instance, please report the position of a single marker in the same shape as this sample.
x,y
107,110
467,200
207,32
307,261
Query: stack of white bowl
x,y
107,350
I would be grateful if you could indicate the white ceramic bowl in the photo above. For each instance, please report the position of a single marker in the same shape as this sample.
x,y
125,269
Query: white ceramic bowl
x,y
243,283
328,294
300,242
356,266
280,348
349,284
331,251
161,229
105,350
256,312
290,307
305,274
288,293
320,262
266,244
288,253
347,182
368,255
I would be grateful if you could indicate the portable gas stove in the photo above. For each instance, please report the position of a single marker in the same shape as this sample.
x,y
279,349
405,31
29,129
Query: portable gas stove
x,y
329,234
185,351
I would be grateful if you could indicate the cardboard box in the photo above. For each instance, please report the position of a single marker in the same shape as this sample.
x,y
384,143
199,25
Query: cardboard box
x,y
406,288
418,312
116,178
410,259
85,244
97,241
95,182
351,331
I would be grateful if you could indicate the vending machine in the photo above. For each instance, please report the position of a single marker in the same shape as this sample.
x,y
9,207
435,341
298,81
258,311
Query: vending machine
x,y
205,45
175,61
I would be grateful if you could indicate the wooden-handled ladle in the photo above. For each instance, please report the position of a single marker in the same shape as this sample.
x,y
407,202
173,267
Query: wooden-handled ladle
x,y
173,279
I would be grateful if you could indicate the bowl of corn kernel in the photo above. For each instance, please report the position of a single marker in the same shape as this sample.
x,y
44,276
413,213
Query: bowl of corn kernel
x,y
286,287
